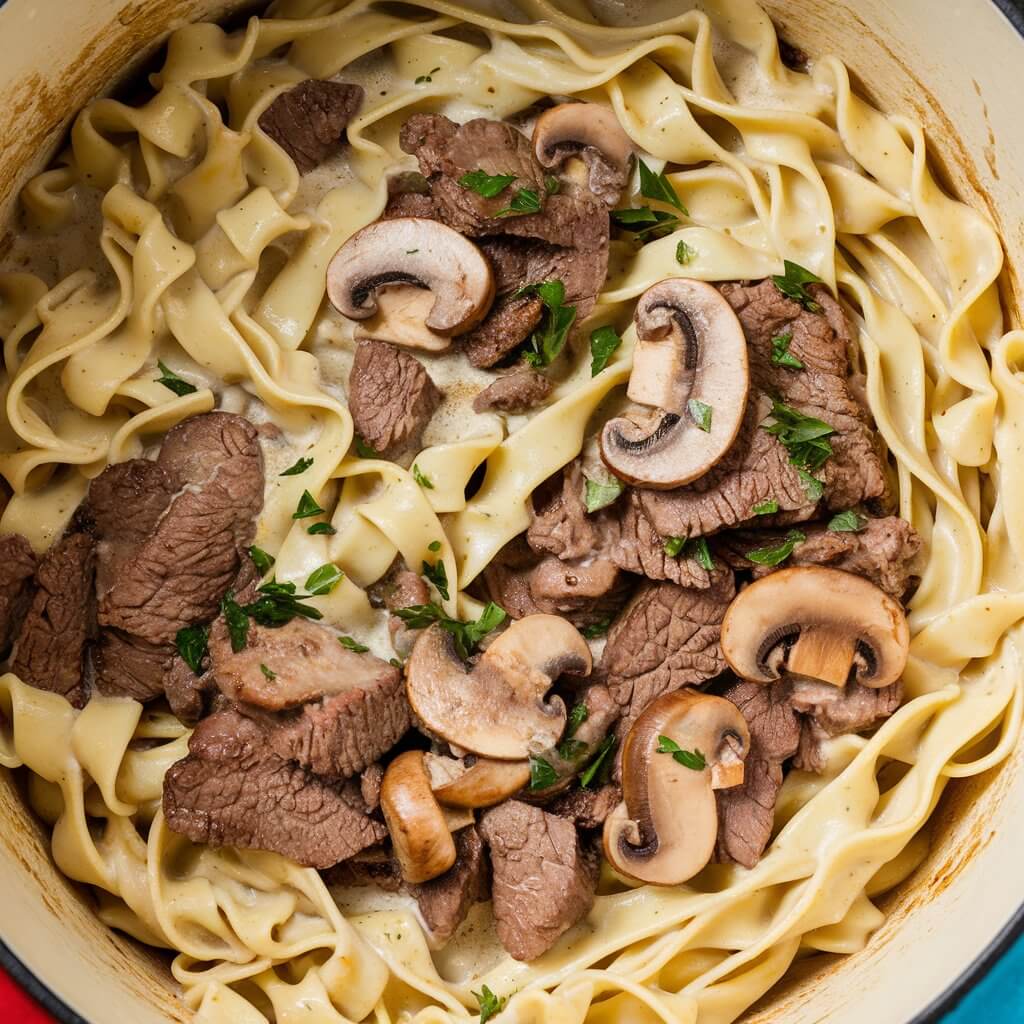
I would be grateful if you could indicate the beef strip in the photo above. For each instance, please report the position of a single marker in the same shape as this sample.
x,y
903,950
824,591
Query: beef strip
x,y
667,638
587,808
51,652
445,901
309,120
544,879
17,567
369,785
391,398
186,692
233,790
510,322
518,391
884,551
330,709
560,524
400,587
757,467
746,813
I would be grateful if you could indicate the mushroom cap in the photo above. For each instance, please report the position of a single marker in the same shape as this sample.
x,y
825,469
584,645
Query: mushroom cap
x,y
593,133
401,318
498,709
664,830
413,251
817,623
483,783
419,831
690,347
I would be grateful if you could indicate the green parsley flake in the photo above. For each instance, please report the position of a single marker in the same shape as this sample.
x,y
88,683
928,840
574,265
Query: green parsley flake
x,y
698,550
261,560
847,522
307,507
776,554
577,716
600,495
192,642
352,645
300,467
793,284
486,185
421,478
766,508
780,352
364,450
549,339
173,382
542,774
551,185
465,634
278,604
645,223
434,545
271,675
658,187
437,575
420,79
236,621
322,528
692,759
323,580
674,546
700,413
524,201
490,1005
803,437
571,750
595,768
685,254
597,629
603,343
813,487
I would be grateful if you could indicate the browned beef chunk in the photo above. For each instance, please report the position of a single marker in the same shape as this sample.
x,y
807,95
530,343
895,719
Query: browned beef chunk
x,y
832,711
757,467
667,638
560,524
544,879
444,902
51,650
17,567
369,785
377,866
391,397
400,588
232,790
587,808
308,121
884,552
130,667
510,322
169,568
331,710
518,391
186,692
746,813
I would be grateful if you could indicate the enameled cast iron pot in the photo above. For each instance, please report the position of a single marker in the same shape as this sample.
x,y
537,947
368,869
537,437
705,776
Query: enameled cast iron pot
x,y
957,67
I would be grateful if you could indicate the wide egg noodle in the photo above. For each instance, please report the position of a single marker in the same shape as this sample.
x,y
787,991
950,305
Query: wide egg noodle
x,y
208,253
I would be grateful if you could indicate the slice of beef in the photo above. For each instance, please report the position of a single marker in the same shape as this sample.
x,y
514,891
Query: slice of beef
x,y
445,901
309,120
391,397
377,866
757,468
400,587
746,813
17,567
833,711
131,667
560,524
510,322
232,790
884,551
587,808
544,878
328,708
370,781
186,692
519,391
667,637
51,652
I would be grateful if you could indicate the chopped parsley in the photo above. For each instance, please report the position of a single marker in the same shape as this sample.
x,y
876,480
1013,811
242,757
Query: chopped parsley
x,y
645,223
465,634
577,716
173,382
421,478
524,201
603,343
766,508
548,340
364,450
698,550
692,759
434,545
322,528
420,79
551,185
490,1004
674,545
192,642
307,507
300,467
847,522
269,673
658,187
597,765
813,487
776,554
323,580
793,284
805,438
780,352
352,645
600,495
277,604
685,254
700,413
437,575
542,774
237,622
261,560
571,750
592,632
486,185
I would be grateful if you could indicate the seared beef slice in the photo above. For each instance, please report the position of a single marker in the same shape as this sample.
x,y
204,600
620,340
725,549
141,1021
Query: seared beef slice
x,y
444,902
391,398
308,121
544,880
17,567
514,392
757,467
50,652
232,790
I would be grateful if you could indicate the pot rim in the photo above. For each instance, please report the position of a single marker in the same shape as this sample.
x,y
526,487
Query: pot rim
x,y
945,1003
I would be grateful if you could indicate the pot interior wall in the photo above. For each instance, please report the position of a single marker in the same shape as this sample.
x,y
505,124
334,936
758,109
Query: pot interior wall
x,y
958,74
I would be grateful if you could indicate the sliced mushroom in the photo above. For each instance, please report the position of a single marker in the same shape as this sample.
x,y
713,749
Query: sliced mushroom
x,y
480,783
664,830
419,831
816,623
690,349
497,710
408,253
592,133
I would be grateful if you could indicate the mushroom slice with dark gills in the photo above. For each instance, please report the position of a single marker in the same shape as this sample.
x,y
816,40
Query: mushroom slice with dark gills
x,y
810,622
593,134
498,709
690,370
382,274
683,747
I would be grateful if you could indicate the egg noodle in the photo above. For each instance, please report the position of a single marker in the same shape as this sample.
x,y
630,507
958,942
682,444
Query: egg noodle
x,y
203,248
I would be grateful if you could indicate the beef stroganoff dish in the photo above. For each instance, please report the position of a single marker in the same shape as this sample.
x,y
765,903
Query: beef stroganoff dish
x,y
508,510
